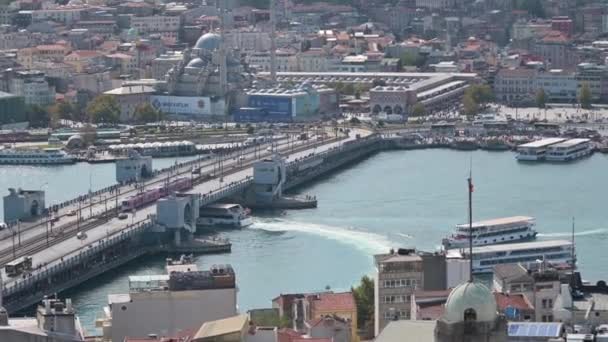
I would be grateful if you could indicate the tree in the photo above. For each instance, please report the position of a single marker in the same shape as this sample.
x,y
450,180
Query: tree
x,y
145,113
378,82
541,98
37,116
418,109
89,134
585,96
364,299
470,105
62,110
354,121
103,109
413,59
250,130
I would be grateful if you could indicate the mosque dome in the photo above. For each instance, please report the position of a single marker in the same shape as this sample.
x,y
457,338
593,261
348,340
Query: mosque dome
x,y
470,298
208,41
196,63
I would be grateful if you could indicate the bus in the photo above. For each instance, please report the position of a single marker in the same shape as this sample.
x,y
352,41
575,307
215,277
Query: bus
x,y
17,266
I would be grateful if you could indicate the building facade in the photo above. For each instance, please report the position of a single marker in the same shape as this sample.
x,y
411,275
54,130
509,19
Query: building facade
x,y
398,274
33,87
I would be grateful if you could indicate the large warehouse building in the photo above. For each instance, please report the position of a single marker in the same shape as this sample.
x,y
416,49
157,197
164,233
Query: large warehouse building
x,y
399,91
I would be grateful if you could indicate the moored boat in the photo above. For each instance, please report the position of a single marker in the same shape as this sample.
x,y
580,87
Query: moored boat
x,y
490,232
47,156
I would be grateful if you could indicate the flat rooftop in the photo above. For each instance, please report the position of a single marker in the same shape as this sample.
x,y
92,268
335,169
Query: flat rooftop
x,y
570,143
498,221
542,143
522,246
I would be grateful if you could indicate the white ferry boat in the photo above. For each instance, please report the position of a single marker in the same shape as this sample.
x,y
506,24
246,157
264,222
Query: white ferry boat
x,y
491,232
47,156
569,150
224,215
526,253
536,150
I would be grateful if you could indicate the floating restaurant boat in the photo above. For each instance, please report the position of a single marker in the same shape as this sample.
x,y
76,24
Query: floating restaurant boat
x,y
47,156
569,150
536,150
526,253
490,232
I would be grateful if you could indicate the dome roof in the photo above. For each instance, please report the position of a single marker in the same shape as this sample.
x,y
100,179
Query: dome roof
x,y
196,63
470,296
208,41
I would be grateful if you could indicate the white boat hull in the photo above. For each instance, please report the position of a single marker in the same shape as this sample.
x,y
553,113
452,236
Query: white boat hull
x,y
224,222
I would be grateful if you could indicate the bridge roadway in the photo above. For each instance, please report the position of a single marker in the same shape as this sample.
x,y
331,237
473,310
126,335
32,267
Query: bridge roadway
x,y
113,193
66,245
105,202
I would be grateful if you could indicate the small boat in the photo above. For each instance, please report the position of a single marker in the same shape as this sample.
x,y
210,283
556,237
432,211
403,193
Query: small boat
x,y
495,145
466,144
224,216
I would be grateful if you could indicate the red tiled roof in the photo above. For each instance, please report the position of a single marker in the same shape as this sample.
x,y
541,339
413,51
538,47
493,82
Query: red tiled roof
x,y
287,335
555,37
328,302
85,53
517,301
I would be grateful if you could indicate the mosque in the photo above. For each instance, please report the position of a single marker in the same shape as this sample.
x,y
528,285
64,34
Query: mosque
x,y
201,71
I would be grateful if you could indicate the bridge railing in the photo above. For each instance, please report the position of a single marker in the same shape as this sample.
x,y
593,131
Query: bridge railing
x,y
45,272
227,190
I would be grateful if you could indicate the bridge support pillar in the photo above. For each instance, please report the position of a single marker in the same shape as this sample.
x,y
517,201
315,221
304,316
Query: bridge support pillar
x,y
177,234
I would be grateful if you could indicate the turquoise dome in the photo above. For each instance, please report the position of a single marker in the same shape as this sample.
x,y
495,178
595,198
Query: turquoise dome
x,y
208,41
470,296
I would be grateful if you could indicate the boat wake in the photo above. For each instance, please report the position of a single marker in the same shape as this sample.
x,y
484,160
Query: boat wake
x,y
365,241
583,233
407,236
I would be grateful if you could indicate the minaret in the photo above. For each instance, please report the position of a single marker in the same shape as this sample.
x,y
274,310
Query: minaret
x,y
223,64
273,42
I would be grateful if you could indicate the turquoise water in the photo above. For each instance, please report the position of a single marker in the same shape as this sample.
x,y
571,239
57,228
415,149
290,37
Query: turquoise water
x,y
393,199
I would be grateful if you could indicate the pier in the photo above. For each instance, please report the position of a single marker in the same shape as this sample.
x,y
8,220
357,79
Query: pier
x,y
62,258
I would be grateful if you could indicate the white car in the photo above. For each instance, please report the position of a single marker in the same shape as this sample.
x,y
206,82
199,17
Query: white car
x,y
81,235
3,226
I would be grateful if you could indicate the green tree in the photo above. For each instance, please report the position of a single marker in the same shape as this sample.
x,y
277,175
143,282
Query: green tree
x,y
413,59
541,98
418,109
250,130
145,113
354,121
89,134
470,105
585,96
37,116
103,109
62,110
364,299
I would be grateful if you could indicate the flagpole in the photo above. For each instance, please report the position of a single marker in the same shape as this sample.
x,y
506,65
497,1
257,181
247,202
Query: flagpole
x,y
470,181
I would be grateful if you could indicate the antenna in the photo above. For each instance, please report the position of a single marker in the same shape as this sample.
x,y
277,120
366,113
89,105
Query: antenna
x,y
572,249
273,42
470,183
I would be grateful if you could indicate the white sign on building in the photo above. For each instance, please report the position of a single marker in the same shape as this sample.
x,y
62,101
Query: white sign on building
x,y
182,105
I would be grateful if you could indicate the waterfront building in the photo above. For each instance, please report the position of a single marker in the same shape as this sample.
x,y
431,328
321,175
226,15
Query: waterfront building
x,y
12,108
391,100
515,85
595,77
559,85
32,86
169,303
22,204
129,98
286,104
133,168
